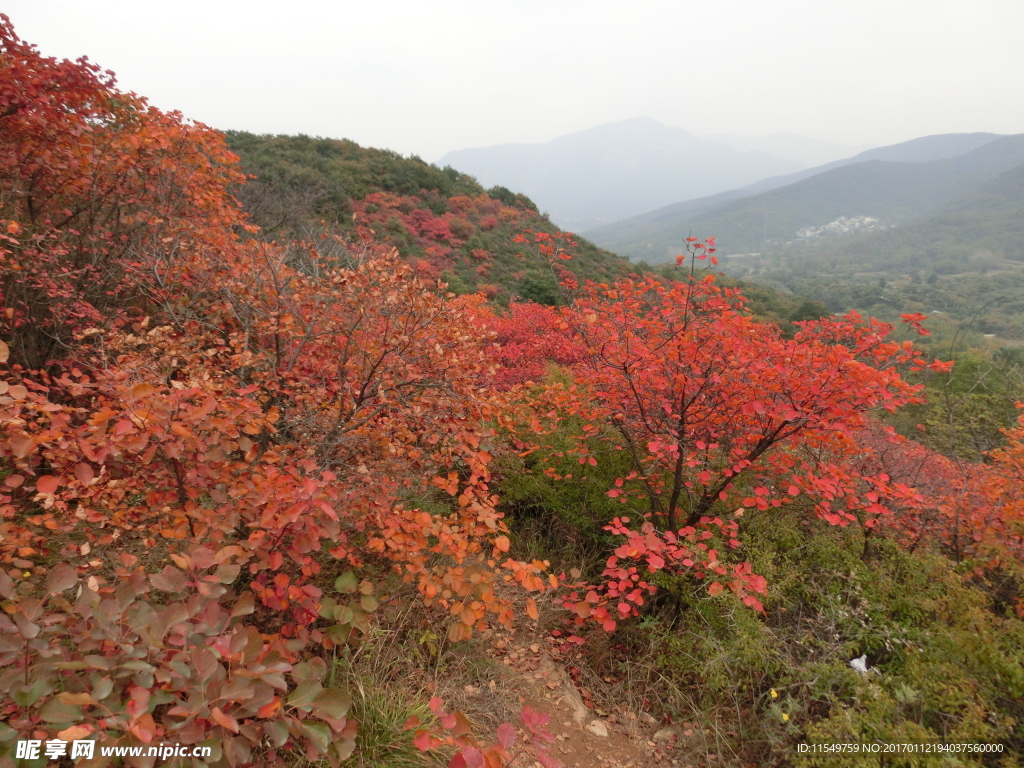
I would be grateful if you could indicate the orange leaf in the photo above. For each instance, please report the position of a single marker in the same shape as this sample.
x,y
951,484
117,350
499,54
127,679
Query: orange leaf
x,y
225,721
531,609
271,708
75,732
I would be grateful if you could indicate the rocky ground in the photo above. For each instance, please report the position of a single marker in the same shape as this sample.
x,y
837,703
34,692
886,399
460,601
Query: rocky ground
x,y
587,737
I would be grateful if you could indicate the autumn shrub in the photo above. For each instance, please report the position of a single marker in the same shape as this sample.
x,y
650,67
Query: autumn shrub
x,y
163,659
297,441
711,414
967,511
461,228
92,177
821,550
267,409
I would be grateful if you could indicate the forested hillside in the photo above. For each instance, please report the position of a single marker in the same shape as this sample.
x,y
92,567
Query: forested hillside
x,y
895,192
976,232
963,266
273,495
446,223
936,234
637,236
441,221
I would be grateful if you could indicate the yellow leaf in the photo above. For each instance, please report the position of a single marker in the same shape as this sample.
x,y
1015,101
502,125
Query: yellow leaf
x,y
75,732
77,699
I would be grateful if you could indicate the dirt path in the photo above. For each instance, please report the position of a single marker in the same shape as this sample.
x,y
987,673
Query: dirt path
x,y
583,738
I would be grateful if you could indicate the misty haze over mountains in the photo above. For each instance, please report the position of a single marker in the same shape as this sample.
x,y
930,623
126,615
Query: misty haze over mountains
x,y
897,183
788,146
614,171
934,205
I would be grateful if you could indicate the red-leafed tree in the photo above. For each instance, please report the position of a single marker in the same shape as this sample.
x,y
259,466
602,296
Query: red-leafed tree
x,y
93,181
530,338
718,413
271,416
969,511
280,411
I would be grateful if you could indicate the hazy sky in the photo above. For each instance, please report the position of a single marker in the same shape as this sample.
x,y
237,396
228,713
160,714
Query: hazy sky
x,y
430,76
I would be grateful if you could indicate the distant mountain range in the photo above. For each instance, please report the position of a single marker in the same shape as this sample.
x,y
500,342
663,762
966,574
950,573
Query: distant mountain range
x,y
896,184
981,230
961,262
614,171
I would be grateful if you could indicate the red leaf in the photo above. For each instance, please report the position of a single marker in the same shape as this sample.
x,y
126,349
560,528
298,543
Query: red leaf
x,y
506,735
422,741
84,472
46,484
474,757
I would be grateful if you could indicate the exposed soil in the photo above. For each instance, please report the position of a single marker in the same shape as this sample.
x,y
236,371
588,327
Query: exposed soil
x,y
584,737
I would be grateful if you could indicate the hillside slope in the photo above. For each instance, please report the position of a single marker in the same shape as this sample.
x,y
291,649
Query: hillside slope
x,y
963,263
930,170
442,220
989,219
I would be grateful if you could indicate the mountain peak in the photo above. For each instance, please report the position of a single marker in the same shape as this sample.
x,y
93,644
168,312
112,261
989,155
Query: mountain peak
x,y
601,174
